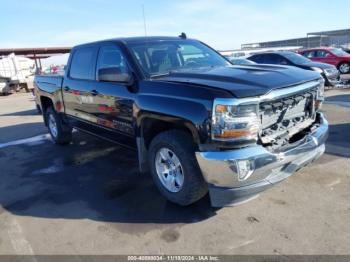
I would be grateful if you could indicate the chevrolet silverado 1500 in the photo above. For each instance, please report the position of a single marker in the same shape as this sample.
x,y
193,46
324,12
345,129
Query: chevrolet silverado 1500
x,y
198,123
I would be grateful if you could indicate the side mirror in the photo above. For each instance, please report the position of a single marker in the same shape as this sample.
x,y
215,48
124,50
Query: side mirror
x,y
113,74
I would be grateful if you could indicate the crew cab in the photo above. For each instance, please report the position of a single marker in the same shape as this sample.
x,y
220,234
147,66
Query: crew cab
x,y
332,56
198,123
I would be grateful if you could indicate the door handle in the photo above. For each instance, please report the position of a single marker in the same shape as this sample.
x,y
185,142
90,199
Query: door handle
x,y
66,88
94,92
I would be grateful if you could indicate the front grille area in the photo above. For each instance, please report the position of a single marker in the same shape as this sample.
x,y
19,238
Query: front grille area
x,y
283,118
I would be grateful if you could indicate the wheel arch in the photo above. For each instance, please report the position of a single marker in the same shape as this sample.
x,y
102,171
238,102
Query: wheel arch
x,y
153,124
45,103
342,62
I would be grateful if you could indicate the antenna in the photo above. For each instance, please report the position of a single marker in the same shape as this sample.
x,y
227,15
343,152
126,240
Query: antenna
x,y
144,19
183,35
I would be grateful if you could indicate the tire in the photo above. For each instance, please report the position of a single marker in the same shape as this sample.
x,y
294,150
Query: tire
x,y
193,185
26,88
344,68
60,132
38,108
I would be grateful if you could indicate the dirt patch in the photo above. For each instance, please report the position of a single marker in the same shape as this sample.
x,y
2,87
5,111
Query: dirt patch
x,y
252,219
170,235
278,201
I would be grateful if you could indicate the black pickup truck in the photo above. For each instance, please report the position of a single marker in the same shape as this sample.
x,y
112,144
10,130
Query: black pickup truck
x,y
198,123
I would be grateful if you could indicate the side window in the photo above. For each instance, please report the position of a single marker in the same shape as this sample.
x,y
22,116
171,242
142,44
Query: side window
x,y
322,53
280,60
83,63
269,59
256,58
309,54
111,56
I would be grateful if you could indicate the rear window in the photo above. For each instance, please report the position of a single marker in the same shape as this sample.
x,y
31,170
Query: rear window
x,y
83,63
339,52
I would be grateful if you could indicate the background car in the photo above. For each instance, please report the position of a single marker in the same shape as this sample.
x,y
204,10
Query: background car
x,y
329,72
240,61
332,56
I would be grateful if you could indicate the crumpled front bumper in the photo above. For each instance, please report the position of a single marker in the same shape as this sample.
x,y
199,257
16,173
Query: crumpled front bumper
x,y
332,79
220,168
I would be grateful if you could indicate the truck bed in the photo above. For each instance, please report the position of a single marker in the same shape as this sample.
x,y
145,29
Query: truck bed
x,y
48,83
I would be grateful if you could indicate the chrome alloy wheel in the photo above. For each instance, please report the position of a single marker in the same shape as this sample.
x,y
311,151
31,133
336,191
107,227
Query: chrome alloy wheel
x,y
169,170
53,126
344,68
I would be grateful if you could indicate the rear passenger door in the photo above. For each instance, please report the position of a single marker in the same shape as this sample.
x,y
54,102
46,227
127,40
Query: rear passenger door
x,y
78,84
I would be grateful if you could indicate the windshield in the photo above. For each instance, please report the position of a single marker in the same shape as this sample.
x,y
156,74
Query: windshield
x,y
296,58
163,57
339,52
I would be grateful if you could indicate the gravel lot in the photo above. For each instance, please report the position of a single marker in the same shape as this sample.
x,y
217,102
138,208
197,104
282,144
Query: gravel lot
x,y
88,198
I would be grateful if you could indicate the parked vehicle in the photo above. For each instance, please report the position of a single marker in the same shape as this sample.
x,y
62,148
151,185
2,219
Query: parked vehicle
x,y
332,56
256,50
20,71
329,72
4,85
240,61
196,121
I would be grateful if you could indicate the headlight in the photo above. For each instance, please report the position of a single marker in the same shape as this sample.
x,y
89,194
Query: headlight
x,y
331,71
320,95
317,69
234,122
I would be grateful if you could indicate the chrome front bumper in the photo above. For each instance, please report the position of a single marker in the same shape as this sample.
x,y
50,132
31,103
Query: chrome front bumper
x,y
220,168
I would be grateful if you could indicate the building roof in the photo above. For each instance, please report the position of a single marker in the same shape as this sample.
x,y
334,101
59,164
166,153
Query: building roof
x,y
318,48
331,33
311,39
35,52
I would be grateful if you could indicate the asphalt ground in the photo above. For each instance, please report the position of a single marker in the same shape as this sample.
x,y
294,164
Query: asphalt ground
x,y
88,198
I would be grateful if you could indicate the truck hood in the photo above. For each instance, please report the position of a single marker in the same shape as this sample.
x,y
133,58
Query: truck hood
x,y
243,81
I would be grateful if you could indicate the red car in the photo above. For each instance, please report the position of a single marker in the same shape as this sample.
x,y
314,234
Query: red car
x,y
333,56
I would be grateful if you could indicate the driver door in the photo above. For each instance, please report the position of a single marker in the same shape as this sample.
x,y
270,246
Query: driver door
x,y
113,102
325,56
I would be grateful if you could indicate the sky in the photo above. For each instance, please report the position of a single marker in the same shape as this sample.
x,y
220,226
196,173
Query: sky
x,y
223,24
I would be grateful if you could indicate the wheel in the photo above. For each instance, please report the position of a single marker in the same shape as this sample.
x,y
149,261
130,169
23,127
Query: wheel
x,y
60,132
26,88
344,68
174,168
